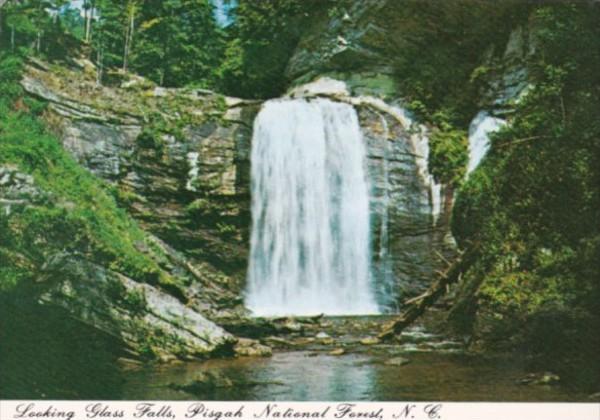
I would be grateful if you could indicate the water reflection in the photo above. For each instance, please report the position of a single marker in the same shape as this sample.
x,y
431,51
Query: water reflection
x,y
45,355
303,376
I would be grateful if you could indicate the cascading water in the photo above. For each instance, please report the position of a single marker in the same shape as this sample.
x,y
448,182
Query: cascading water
x,y
479,137
309,248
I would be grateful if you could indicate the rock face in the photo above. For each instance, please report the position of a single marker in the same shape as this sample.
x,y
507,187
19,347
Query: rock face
x,y
148,320
189,185
409,220
508,80
349,55
17,189
349,42
145,319
178,160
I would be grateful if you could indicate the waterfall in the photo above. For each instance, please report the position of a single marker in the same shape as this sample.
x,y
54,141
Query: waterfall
x,y
479,141
310,241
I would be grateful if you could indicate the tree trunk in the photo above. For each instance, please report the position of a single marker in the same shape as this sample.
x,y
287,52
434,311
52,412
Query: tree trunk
x,y
38,42
88,29
128,41
99,65
448,204
86,14
12,38
126,50
131,31
415,307
89,16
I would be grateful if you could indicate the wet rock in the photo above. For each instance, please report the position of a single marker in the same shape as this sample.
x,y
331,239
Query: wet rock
x,y
322,335
278,341
252,348
291,326
370,341
396,361
204,382
148,320
250,327
337,352
305,341
311,320
594,397
549,379
129,364
545,378
417,336
323,86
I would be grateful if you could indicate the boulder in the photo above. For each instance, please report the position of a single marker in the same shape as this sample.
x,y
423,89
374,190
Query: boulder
x,y
369,341
149,321
396,361
252,348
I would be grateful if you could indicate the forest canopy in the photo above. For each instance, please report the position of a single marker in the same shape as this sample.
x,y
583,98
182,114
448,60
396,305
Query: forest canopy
x,y
174,43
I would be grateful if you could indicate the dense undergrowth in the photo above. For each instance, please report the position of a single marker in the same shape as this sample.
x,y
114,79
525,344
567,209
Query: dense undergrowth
x,y
533,206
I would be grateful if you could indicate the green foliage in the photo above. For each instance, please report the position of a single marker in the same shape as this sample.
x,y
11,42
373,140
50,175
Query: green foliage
x,y
135,299
448,152
227,230
440,51
533,205
172,42
262,39
73,21
150,138
29,25
179,42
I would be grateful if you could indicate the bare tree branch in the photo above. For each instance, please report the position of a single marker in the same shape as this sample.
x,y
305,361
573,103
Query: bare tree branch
x,y
415,307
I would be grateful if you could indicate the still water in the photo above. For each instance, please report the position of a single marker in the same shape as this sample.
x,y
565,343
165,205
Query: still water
x,y
68,364
305,376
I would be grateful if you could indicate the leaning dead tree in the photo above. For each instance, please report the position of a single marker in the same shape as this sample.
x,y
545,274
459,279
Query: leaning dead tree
x,y
415,307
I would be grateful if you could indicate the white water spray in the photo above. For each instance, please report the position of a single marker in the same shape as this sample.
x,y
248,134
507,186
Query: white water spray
x,y
310,250
479,137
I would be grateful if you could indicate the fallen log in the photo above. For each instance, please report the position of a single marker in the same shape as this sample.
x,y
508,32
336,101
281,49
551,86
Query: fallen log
x,y
415,307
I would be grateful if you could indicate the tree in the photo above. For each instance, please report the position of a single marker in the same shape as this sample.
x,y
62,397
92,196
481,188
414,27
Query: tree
x,y
89,9
179,42
131,11
29,21
2,3
108,42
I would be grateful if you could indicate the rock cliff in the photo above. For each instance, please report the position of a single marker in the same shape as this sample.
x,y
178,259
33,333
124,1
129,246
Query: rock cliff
x,y
178,161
